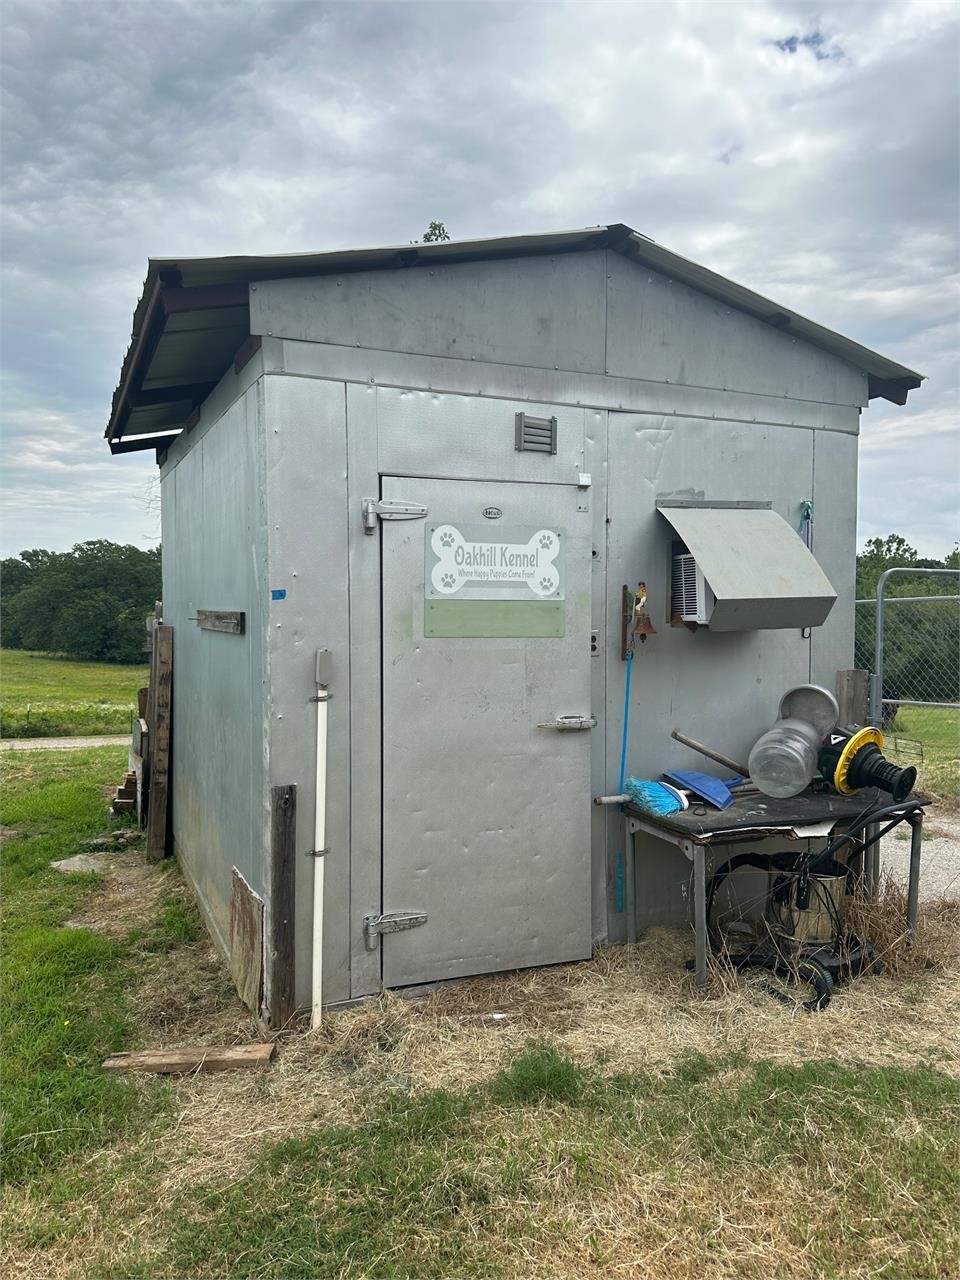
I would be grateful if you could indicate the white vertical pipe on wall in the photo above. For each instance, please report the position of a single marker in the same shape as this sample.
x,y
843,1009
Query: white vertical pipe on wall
x,y
319,835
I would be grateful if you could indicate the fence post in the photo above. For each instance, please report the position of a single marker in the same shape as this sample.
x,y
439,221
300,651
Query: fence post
x,y
853,688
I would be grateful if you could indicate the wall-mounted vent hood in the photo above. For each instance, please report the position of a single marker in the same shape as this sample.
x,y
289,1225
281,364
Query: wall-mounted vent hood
x,y
758,568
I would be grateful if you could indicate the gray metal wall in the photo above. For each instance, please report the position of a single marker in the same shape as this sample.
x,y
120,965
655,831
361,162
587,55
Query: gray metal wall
x,y
215,557
308,519
722,688
658,390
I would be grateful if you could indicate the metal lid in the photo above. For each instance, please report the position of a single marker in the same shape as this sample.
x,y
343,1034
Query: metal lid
x,y
812,703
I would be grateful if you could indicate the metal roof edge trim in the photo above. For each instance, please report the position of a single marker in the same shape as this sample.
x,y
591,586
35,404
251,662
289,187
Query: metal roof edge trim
x,y
887,376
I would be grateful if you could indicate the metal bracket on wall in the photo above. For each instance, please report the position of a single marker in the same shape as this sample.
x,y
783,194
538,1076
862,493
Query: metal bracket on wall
x,y
386,509
390,922
570,724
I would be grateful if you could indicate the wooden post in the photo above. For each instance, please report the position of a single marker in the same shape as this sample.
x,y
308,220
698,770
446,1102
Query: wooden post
x,y
150,715
283,836
853,693
158,817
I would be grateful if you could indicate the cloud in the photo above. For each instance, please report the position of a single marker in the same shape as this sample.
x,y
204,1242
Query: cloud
x,y
808,153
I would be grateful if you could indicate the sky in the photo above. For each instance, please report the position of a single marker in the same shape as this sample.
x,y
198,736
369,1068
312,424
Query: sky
x,y
807,151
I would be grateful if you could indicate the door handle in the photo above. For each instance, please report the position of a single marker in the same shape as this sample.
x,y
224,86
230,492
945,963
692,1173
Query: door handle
x,y
567,724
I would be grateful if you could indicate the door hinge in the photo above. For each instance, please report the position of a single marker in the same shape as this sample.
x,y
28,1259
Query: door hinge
x,y
566,724
390,922
386,509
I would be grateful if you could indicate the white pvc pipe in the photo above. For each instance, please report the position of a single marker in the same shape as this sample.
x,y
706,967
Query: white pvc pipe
x,y
319,844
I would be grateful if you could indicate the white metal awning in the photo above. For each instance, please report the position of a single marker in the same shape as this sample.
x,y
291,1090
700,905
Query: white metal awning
x,y
759,569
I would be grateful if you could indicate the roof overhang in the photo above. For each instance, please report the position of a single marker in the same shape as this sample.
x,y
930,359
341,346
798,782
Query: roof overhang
x,y
193,317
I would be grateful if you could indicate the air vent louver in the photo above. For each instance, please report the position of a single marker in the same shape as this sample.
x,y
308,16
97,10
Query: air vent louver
x,y
536,435
690,595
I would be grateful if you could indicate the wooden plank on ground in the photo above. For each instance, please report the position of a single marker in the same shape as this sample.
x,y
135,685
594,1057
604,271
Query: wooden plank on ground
x,y
246,942
283,835
233,621
158,817
181,1061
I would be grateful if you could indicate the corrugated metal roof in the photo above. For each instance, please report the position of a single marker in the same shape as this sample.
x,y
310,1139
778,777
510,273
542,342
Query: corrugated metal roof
x,y
193,315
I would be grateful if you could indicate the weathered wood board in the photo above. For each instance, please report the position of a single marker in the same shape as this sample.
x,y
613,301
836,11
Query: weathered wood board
x,y
180,1061
853,696
158,817
232,621
283,832
246,942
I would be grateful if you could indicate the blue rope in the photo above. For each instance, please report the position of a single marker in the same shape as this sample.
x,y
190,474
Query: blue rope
x,y
626,724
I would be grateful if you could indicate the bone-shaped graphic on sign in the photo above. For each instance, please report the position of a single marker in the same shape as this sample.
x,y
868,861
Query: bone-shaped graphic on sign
x,y
460,562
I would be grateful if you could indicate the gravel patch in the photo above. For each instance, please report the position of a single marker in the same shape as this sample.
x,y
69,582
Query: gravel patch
x,y
939,856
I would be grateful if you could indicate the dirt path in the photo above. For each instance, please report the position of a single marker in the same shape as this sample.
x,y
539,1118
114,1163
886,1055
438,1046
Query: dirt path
x,y
63,744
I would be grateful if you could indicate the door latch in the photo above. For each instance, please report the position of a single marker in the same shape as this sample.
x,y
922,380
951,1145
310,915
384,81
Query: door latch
x,y
390,922
386,509
566,724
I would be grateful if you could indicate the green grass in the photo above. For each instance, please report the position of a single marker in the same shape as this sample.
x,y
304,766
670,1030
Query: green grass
x,y
64,1003
464,1183
720,1164
937,729
42,696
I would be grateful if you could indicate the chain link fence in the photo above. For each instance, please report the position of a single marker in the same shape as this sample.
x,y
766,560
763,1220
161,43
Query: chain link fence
x,y
916,698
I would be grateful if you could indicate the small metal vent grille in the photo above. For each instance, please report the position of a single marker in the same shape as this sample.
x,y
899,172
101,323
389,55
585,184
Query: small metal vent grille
x,y
536,435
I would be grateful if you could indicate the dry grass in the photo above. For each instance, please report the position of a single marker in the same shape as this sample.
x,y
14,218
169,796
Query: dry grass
x,y
628,1009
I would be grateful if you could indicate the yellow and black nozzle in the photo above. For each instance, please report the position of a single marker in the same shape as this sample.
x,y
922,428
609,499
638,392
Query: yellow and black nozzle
x,y
852,757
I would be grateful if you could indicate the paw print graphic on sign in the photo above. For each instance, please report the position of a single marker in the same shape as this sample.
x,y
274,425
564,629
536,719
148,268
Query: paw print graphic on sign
x,y
448,580
446,539
546,584
546,540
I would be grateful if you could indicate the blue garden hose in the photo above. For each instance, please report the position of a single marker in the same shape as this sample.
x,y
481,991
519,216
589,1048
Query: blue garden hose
x,y
626,724
623,768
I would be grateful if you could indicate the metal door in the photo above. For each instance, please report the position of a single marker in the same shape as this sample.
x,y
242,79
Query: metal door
x,y
485,809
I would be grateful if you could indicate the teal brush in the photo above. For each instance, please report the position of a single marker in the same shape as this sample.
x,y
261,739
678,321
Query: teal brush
x,y
656,798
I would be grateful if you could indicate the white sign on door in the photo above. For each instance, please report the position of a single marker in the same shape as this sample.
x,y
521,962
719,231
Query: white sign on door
x,y
480,563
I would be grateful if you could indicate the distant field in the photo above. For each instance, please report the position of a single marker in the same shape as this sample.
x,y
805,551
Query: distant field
x,y
928,737
46,697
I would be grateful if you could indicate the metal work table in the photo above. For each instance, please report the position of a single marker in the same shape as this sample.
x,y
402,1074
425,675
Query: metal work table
x,y
754,816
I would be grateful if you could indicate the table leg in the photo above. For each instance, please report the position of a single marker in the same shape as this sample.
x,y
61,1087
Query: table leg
x,y
698,853
630,883
871,862
913,886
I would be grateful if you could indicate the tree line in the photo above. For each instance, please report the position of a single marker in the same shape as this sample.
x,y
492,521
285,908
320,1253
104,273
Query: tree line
x,y
89,602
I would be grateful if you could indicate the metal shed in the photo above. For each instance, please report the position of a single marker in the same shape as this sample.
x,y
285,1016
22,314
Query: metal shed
x,y
440,464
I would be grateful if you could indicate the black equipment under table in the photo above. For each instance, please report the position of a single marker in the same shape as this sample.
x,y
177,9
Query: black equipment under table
x,y
754,816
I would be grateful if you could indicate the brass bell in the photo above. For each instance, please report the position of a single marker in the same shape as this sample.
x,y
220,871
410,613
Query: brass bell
x,y
641,624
